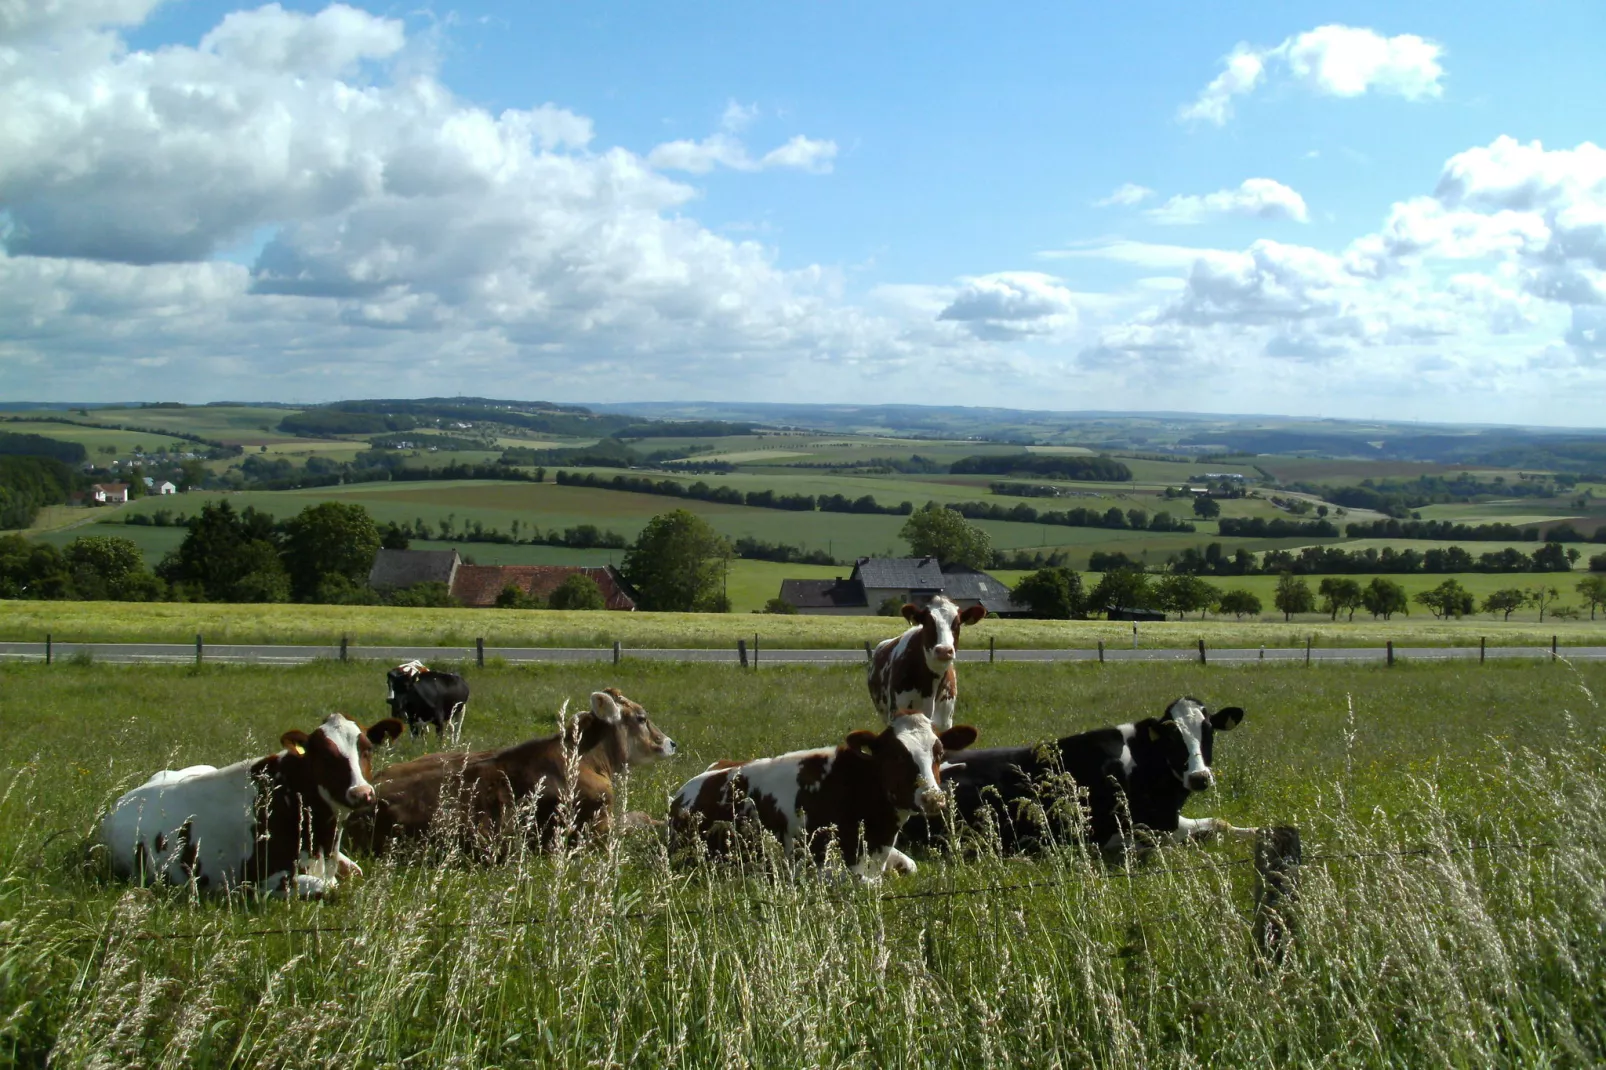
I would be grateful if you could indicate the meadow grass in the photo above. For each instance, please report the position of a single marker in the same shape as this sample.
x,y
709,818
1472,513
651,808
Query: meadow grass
x,y
178,622
1414,946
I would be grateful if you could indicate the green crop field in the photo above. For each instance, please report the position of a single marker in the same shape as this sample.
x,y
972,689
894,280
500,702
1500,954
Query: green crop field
x,y
245,425
178,622
96,439
1428,931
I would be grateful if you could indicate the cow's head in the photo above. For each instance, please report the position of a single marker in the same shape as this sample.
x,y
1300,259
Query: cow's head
x,y
642,740
940,621
337,758
909,759
1185,732
402,677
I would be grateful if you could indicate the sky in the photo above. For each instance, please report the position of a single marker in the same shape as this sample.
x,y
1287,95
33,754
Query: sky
x,y
1374,211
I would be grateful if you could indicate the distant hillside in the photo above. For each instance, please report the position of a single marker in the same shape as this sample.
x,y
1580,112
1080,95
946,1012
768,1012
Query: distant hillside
x,y
378,416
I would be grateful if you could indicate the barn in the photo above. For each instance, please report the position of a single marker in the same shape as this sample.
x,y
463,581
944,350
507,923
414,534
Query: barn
x,y
907,579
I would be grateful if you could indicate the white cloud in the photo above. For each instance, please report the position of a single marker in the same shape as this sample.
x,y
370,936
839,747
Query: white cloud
x,y
1125,195
1333,60
1137,253
725,149
1256,198
1010,303
22,19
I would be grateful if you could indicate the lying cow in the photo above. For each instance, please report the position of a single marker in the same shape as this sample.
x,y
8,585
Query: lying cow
x,y
869,785
1134,775
258,822
421,696
916,669
490,787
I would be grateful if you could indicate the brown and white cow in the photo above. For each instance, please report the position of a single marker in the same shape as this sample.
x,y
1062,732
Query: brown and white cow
x,y
491,788
259,822
916,669
866,787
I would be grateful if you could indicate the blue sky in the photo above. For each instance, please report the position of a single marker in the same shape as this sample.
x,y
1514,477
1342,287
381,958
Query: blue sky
x,y
823,202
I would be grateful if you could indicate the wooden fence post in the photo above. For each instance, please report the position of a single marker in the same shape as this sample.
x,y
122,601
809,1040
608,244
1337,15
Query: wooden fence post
x,y
1307,650
1553,654
1202,653
992,652
1277,860
1391,652
1101,652
741,650
1483,649
869,655
755,650
197,648
47,648
479,651
616,651
342,648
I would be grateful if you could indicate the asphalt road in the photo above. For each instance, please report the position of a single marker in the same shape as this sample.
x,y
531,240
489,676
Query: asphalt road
x,y
270,654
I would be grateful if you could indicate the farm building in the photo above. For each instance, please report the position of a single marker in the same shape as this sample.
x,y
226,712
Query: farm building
x,y
109,493
478,585
907,579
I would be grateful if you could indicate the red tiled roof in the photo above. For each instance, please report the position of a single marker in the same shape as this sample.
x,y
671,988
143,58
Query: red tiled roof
x,y
478,585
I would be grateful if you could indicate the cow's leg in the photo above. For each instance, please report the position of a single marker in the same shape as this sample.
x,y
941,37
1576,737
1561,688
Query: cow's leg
x,y
455,719
345,868
870,867
1190,828
942,712
898,862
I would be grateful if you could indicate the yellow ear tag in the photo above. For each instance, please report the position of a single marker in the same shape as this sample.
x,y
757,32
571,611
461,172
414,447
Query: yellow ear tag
x,y
296,748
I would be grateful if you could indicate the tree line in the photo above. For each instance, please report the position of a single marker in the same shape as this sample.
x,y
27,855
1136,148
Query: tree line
x,y
1323,560
1447,530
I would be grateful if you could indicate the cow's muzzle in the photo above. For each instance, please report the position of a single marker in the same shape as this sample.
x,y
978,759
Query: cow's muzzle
x,y
943,653
360,796
930,802
1203,780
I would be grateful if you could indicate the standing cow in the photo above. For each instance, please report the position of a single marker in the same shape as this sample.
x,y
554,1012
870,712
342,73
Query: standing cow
x,y
1136,775
491,787
421,697
859,793
916,669
259,822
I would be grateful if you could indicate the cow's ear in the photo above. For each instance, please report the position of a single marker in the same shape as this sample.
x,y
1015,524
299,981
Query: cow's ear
x,y
958,737
295,741
604,708
384,731
911,612
861,739
973,614
1226,720
1154,732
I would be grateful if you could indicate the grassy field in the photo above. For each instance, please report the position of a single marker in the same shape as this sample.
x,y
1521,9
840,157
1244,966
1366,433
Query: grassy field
x,y
96,439
178,622
1412,949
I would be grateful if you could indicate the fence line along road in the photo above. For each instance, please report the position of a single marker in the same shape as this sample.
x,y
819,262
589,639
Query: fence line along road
x,y
295,654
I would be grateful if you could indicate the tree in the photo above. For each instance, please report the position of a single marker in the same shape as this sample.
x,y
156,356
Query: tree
x,y
327,540
1122,588
512,596
395,537
937,531
1205,507
1238,603
1338,594
780,606
1384,598
1052,594
1551,557
32,570
578,591
1541,598
217,553
1504,601
890,607
1593,590
1448,599
678,563
1293,596
1181,593
109,567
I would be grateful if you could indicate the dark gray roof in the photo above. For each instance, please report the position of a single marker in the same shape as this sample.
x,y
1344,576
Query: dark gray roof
x,y
403,568
901,573
824,594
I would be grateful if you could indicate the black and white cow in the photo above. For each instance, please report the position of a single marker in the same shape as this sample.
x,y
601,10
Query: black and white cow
x,y
421,697
1132,776
263,823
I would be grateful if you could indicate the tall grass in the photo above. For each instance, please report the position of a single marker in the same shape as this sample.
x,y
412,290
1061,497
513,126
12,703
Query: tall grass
x,y
1417,944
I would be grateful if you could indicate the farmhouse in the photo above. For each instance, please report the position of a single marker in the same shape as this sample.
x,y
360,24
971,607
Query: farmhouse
x,y
907,579
109,493
478,585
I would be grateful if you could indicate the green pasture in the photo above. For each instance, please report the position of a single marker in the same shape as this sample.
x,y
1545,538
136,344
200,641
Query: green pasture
x,y
246,425
178,622
1344,472
1411,947
95,439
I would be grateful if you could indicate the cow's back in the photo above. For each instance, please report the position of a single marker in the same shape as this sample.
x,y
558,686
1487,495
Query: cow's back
x,y
184,823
